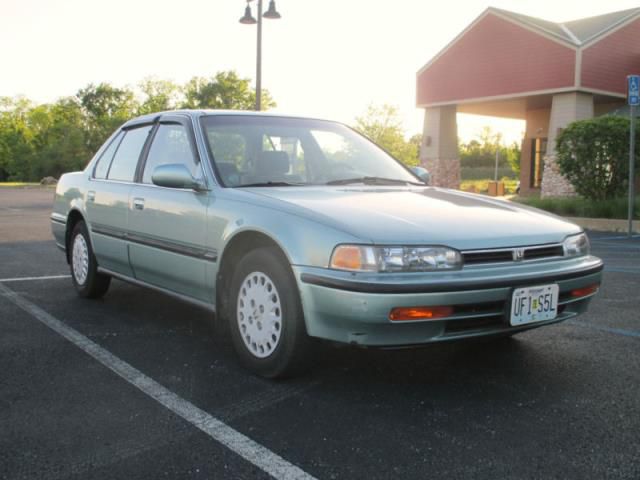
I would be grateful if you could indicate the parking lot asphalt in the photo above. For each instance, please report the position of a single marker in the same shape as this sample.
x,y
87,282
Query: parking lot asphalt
x,y
116,398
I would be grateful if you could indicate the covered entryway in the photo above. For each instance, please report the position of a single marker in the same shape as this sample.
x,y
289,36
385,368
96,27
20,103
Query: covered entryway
x,y
514,66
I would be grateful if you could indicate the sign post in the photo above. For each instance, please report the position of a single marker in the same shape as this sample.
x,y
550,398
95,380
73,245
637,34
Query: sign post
x,y
633,95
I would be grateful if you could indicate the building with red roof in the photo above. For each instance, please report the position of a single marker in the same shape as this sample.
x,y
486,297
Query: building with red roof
x,y
549,74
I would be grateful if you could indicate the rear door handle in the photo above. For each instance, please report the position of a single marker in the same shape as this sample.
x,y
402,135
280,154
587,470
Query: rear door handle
x,y
138,203
91,195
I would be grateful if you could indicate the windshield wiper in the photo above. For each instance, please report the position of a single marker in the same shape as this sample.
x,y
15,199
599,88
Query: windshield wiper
x,y
372,181
269,184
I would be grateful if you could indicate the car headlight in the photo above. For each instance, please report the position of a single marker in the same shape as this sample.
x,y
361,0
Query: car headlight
x,y
576,245
364,258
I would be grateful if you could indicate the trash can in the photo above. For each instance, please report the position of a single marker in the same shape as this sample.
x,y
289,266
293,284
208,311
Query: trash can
x,y
496,189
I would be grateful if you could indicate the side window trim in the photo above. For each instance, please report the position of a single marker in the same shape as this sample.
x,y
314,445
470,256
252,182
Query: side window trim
x,y
117,138
142,160
153,126
169,120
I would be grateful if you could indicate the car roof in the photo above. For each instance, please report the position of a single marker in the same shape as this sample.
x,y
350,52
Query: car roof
x,y
197,113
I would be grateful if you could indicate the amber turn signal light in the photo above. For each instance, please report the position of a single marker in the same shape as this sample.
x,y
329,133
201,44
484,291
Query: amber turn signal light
x,y
347,257
400,314
583,292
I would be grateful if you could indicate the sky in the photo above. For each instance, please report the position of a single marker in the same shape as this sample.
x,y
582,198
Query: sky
x,y
329,58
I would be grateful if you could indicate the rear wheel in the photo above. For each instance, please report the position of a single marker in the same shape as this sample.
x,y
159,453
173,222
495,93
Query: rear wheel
x,y
266,320
84,268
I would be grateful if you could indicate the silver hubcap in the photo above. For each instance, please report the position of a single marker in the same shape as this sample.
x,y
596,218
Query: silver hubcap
x,y
80,259
259,314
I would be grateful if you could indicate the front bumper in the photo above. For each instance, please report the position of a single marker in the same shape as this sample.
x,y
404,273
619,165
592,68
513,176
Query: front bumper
x,y
354,307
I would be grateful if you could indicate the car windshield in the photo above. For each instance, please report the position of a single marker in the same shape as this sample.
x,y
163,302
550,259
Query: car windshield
x,y
279,151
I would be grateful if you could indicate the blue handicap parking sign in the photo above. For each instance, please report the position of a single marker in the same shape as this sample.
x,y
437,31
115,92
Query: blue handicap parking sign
x,y
633,91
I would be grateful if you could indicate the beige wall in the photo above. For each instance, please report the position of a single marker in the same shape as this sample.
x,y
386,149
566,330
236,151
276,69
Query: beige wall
x,y
439,152
440,134
602,108
537,123
565,108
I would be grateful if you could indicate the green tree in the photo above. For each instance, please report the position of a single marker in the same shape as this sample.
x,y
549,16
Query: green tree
x,y
50,139
105,107
383,126
481,152
16,147
513,154
61,142
159,95
594,156
226,90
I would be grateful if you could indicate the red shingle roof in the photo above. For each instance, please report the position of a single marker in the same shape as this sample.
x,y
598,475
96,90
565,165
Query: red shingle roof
x,y
577,32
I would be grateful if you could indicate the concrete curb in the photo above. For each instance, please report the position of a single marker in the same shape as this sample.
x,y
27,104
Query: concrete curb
x,y
605,224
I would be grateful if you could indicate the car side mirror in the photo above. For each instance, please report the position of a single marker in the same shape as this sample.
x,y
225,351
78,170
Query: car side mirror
x,y
422,173
176,175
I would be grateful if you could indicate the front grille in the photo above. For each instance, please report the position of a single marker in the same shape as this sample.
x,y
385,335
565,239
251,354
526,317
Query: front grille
x,y
543,252
472,258
516,254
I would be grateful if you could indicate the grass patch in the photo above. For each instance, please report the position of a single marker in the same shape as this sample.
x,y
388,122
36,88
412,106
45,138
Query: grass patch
x,y
581,207
482,186
18,184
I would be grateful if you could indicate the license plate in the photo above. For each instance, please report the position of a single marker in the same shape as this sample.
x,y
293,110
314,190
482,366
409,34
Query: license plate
x,y
534,304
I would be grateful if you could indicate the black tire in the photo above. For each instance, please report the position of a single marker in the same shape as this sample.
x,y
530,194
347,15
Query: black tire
x,y
293,349
89,284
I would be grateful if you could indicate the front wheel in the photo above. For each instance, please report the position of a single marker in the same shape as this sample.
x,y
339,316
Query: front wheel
x,y
84,268
266,320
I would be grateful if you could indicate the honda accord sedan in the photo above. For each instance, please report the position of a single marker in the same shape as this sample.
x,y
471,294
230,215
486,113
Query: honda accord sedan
x,y
292,230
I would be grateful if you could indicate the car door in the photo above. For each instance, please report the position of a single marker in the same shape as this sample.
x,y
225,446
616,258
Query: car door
x,y
107,200
167,226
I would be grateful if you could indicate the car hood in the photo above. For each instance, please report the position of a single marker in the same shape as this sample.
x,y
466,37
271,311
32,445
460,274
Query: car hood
x,y
384,215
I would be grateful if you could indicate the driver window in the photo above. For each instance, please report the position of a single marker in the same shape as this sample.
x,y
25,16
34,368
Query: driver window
x,y
170,145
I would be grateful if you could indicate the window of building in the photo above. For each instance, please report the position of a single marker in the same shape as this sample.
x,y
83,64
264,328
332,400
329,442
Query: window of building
x,y
538,151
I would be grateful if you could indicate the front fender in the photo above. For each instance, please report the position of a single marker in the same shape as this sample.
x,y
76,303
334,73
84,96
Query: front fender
x,y
304,241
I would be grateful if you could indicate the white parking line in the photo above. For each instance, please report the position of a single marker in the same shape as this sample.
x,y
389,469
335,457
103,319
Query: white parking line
x,y
258,455
26,279
266,399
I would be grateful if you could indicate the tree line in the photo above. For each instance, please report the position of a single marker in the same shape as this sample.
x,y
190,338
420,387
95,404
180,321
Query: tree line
x,y
38,140
481,152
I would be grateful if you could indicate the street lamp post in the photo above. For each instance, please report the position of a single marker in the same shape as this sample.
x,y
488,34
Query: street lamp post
x,y
248,19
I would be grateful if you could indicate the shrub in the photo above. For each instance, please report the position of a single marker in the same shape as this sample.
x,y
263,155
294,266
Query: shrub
x,y
594,156
580,207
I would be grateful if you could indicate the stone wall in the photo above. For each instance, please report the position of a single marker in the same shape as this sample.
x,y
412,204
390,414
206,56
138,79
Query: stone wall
x,y
554,184
444,172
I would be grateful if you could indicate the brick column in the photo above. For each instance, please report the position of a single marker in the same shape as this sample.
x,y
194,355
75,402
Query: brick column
x,y
439,151
565,108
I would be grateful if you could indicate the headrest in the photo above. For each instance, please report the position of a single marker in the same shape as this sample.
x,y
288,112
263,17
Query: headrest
x,y
272,163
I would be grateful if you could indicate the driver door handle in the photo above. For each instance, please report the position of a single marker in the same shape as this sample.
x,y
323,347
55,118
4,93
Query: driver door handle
x,y
138,203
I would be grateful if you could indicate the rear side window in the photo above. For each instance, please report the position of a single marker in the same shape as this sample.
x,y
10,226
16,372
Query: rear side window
x,y
170,145
102,167
123,166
